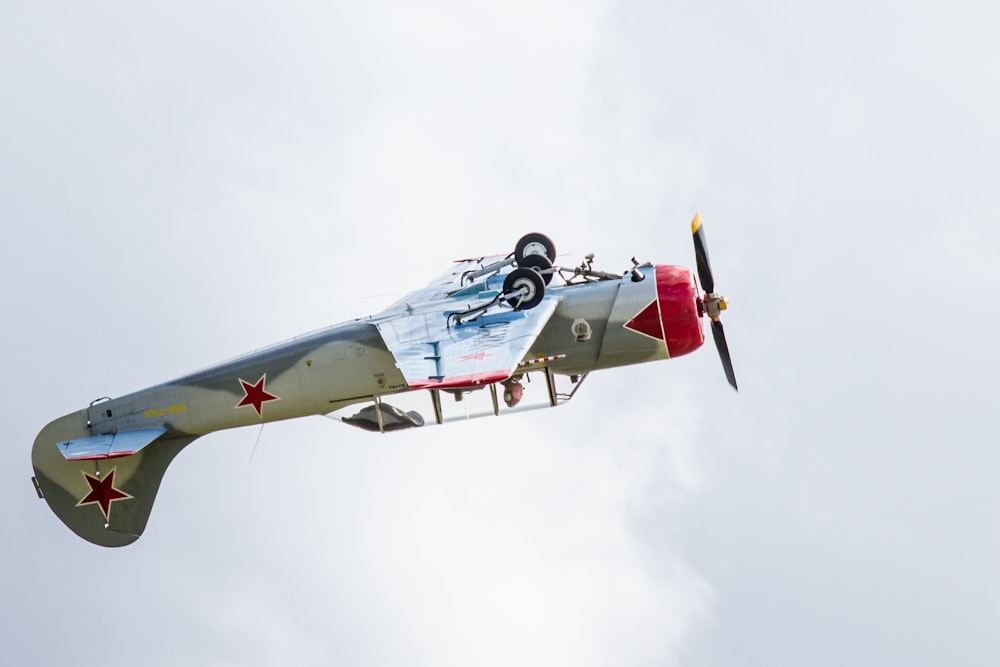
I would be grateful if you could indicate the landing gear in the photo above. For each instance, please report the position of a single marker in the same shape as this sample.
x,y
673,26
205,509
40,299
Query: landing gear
x,y
534,244
523,288
539,264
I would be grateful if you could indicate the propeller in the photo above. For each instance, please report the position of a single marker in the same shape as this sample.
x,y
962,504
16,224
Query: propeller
x,y
714,303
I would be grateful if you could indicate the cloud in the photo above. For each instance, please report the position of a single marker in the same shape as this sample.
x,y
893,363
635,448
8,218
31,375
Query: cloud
x,y
186,183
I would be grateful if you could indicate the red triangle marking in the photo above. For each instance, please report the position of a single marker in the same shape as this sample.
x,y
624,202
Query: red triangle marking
x,y
647,322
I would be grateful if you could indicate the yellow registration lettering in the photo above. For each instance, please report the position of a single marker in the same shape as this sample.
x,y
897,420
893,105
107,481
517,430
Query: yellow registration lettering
x,y
162,412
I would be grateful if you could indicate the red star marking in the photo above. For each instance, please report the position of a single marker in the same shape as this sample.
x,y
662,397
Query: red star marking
x,y
102,493
255,395
478,356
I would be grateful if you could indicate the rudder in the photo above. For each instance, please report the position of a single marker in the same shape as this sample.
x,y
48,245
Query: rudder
x,y
106,501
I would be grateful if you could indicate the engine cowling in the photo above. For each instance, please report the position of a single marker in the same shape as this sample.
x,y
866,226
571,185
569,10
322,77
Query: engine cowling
x,y
680,309
674,317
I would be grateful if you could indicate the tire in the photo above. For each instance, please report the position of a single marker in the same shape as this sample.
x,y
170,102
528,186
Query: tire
x,y
524,288
538,264
534,244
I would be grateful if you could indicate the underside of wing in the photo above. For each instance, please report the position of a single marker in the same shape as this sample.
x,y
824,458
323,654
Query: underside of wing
x,y
458,276
433,352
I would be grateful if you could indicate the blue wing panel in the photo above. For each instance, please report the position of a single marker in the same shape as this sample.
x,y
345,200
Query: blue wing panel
x,y
431,354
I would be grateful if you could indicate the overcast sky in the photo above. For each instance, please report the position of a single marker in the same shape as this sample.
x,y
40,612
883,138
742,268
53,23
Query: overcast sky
x,y
183,183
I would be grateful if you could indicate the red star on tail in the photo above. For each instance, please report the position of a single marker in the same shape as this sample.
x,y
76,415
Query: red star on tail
x,y
102,493
255,395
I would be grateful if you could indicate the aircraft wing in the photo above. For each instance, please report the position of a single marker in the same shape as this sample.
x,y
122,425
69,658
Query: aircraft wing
x,y
433,355
453,280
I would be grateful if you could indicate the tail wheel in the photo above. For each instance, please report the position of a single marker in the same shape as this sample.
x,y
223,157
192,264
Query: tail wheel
x,y
523,288
534,244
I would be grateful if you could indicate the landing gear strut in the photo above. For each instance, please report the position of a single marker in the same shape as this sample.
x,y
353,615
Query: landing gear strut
x,y
523,288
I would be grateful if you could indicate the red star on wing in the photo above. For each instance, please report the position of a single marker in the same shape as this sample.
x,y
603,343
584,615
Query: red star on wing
x,y
102,493
255,395
477,356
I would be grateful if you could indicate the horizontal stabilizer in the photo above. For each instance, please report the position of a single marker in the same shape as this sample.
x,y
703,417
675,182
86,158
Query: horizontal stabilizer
x,y
109,446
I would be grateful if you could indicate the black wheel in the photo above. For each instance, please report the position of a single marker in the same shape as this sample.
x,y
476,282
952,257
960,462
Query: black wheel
x,y
523,288
534,244
539,264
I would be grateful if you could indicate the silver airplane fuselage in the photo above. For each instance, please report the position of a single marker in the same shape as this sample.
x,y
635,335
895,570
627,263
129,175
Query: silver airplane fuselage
x,y
105,494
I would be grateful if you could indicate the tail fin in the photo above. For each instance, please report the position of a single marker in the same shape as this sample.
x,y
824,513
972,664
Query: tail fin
x,y
106,498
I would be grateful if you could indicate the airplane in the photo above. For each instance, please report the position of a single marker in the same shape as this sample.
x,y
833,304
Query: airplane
x,y
480,333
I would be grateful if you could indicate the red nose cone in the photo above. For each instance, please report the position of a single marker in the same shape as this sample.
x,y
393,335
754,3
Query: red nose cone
x,y
677,294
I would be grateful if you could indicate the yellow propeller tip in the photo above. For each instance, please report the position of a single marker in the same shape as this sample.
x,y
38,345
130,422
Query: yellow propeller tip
x,y
696,223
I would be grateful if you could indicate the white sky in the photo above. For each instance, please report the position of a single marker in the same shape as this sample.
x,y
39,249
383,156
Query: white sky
x,y
184,183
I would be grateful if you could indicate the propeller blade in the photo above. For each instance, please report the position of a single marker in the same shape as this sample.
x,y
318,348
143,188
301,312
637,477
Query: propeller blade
x,y
719,334
701,255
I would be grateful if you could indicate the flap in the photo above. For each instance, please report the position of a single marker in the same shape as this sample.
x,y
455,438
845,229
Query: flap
x,y
108,446
432,355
